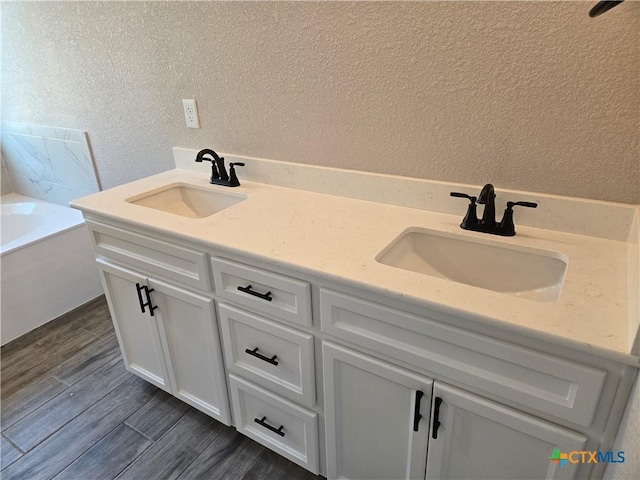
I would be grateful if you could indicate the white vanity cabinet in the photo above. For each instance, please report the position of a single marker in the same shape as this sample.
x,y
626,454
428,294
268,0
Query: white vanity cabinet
x,y
371,405
163,306
383,422
376,417
472,437
270,363
393,390
138,333
168,334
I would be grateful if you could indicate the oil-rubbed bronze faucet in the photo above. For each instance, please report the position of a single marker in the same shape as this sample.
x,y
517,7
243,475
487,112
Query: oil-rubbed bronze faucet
x,y
488,224
487,198
219,174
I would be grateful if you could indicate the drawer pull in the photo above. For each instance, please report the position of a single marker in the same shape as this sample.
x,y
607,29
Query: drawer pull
x,y
436,418
262,421
263,296
416,411
148,303
139,289
255,353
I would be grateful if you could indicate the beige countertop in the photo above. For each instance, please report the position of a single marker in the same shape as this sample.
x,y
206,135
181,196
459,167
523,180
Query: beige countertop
x,y
339,238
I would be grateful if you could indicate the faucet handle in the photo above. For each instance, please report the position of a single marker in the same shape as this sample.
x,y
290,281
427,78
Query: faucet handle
x,y
463,195
233,178
522,204
471,217
507,228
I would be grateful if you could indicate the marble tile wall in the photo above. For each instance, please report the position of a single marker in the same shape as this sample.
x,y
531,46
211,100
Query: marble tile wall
x,y
49,163
5,186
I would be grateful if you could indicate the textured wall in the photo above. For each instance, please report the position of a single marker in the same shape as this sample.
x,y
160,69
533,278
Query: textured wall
x,y
528,95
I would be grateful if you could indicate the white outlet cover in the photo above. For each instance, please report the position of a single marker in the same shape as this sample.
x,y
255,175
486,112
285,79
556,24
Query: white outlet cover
x,y
191,113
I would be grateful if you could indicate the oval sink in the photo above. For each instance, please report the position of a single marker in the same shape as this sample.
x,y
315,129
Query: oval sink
x,y
519,271
186,200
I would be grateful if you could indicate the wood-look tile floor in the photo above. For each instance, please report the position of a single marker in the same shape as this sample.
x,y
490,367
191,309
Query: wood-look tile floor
x,y
70,410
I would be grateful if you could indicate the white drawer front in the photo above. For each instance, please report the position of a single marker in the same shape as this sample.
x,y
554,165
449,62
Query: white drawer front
x,y
167,260
282,297
276,423
543,382
277,357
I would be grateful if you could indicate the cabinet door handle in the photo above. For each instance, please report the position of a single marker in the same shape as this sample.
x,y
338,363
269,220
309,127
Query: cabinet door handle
x,y
436,418
263,296
262,421
416,411
255,353
139,289
148,303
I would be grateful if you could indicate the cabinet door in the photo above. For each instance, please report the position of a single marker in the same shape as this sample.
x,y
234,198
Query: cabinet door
x,y
189,333
480,439
137,332
371,408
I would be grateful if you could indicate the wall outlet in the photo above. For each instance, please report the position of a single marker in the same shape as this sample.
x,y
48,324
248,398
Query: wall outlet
x,y
191,113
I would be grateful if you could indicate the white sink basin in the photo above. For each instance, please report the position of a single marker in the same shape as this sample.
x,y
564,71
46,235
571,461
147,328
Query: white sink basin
x,y
519,271
187,200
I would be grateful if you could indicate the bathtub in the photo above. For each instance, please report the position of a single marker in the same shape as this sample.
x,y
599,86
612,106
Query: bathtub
x,y
47,266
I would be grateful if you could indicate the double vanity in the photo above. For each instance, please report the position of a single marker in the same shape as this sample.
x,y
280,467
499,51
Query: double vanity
x,y
367,340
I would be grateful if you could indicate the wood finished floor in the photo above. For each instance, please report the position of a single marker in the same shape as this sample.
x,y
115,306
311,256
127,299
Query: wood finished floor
x,y
70,410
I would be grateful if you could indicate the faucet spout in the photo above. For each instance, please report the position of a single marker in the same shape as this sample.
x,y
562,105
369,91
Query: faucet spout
x,y
219,173
487,198
221,169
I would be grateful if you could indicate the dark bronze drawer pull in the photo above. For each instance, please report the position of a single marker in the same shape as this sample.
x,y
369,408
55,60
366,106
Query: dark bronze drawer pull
x,y
263,296
255,353
416,411
139,289
262,421
148,303
436,418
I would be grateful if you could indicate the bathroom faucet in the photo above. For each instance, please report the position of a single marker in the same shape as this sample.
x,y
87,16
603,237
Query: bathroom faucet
x,y
487,198
219,174
488,224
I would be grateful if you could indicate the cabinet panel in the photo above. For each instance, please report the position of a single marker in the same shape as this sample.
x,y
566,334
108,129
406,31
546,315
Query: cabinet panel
x,y
278,424
370,409
137,332
483,440
543,382
292,376
157,257
284,298
190,336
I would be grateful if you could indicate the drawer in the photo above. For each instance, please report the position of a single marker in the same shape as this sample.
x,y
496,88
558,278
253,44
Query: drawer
x,y
273,355
151,256
276,423
284,298
546,383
